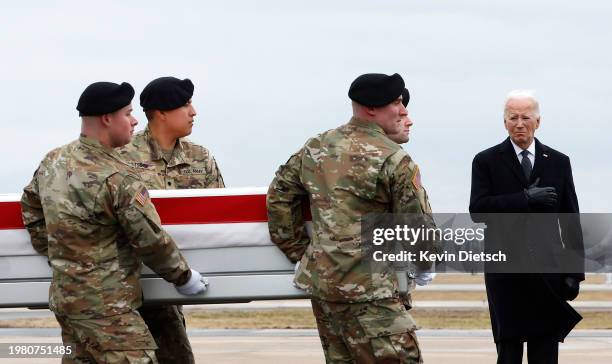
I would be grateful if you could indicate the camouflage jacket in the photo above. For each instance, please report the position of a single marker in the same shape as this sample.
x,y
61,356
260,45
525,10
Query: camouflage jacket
x,y
95,222
191,165
345,174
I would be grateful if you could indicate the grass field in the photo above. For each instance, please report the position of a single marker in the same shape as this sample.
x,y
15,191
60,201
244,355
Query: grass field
x,y
302,318
482,296
466,278
430,318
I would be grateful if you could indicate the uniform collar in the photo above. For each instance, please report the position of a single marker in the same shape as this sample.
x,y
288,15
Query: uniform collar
x,y
95,144
361,123
157,153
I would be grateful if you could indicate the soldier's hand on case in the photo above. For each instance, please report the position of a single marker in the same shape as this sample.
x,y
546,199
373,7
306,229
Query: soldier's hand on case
x,y
196,285
541,195
423,278
571,287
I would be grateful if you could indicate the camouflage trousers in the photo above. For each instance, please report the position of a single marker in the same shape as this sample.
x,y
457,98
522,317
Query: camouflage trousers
x,y
115,339
167,325
379,331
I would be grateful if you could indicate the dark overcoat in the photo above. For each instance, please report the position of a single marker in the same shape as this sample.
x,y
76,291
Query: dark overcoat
x,y
526,306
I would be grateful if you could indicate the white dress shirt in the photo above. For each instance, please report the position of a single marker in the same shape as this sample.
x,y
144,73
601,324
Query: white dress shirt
x,y
530,149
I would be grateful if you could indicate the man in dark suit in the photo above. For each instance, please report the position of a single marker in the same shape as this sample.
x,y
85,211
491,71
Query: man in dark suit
x,y
519,177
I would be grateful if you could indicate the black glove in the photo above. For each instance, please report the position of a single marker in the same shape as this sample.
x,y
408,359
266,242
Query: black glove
x,y
571,287
541,195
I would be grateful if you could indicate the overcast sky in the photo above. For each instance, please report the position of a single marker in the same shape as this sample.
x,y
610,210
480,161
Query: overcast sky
x,y
270,74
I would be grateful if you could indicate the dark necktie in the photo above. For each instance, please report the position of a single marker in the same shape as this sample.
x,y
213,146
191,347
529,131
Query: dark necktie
x,y
526,164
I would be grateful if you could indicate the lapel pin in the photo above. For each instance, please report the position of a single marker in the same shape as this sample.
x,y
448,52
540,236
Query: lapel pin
x,y
544,154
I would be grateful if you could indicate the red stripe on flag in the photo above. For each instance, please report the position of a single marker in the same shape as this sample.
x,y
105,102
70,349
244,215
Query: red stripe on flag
x,y
10,215
211,209
182,210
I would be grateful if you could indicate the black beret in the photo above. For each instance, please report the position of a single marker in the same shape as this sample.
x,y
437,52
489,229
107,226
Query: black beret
x,y
376,89
101,98
405,97
166,93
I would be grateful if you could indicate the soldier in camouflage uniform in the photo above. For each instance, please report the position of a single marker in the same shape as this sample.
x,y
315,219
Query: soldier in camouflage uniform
x,y
162,155
93,218
346,173
166,160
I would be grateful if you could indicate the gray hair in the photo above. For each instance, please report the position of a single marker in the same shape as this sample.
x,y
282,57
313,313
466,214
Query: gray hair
x,y
524,95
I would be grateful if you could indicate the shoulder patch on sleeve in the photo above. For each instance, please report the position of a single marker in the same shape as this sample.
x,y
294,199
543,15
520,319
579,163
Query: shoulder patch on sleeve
x,y
142,196
416,178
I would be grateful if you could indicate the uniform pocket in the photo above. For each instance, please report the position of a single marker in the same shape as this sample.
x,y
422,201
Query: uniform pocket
x,y
389,324
392,337
120,332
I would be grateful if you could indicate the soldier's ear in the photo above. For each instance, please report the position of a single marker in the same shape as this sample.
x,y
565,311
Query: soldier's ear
x,y
371,111
106,120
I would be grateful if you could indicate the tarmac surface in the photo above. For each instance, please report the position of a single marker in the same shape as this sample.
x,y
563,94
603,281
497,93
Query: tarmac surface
x,y
302,346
